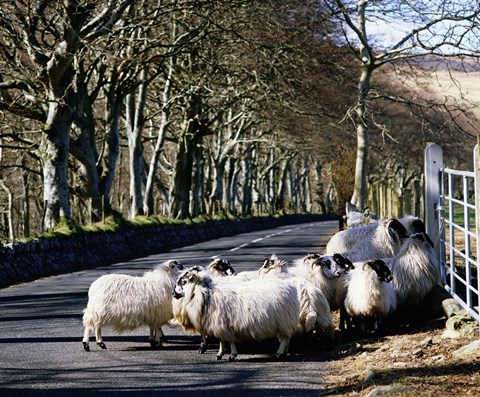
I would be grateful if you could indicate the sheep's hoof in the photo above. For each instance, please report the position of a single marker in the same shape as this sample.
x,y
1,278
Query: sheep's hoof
x,y
279,356
232,357
202,349
219,357
102,345
155,345
86,347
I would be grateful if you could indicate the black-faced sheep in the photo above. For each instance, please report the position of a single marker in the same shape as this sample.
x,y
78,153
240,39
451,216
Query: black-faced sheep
x,y
385,241
220,267
315,312
415,270
368,294
123,303
235,312
322,271
344,240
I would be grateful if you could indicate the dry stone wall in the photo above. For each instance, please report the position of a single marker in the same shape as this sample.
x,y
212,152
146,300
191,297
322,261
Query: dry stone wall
x,y
22,262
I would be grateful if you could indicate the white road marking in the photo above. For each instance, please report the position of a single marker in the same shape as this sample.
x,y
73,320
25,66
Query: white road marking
x,y
267,236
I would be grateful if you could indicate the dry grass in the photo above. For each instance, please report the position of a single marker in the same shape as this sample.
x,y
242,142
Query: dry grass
x,y
410,355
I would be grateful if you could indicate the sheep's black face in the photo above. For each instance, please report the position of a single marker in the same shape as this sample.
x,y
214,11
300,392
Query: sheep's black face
x,y
184,279
343,262
223,266
178,291
268,263
176,264
382,270
329,267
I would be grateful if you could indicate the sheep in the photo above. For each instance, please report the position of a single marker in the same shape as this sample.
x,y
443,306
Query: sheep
x,y
385,241
368,294
220,267
344,240
125,302
415,270
234,312
322,271
315,312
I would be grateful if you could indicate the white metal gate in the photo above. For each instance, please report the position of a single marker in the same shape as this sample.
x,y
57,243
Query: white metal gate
x,y
452,219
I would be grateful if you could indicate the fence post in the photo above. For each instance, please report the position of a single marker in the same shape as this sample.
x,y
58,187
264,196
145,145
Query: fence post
x,y
476,168
433,164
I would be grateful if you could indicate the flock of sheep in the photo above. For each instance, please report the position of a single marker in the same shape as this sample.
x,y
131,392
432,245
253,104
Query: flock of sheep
x,y
366,272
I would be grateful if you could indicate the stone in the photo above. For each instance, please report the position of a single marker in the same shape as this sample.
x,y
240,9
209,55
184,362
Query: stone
x,y
426,342
389,390
462,322
472,348
450,307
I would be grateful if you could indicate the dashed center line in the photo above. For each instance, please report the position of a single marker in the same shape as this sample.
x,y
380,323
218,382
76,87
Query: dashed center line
x,y
267,236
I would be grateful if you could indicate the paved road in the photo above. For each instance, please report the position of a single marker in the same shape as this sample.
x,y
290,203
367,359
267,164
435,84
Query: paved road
x,y
41,331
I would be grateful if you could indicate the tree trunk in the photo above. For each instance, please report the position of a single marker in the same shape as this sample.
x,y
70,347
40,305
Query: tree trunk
x,y
162,130
55,162
112,150
9,212
134,121
182,179
361,114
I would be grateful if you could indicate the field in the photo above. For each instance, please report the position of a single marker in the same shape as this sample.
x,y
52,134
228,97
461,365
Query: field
x,y
462,87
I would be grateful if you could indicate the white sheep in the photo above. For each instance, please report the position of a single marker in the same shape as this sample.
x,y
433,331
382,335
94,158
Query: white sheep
x,y
344,240
385,241
315,312
123,303
415,270
324,272
368,294
234,312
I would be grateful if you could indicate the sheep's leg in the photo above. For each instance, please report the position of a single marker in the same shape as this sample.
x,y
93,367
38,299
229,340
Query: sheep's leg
x,y
221,350
98,337
233,352
86,339
203,345
283,347
151,338
345,322
163,338
156,336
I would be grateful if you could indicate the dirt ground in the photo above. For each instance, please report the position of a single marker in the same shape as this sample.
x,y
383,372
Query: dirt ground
x,y
409,358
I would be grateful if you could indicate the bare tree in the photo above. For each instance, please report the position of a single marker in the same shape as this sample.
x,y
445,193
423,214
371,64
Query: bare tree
x,y
444,28
42,89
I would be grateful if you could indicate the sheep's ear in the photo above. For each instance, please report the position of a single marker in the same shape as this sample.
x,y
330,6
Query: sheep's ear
x,y
370,263
418,226
395,226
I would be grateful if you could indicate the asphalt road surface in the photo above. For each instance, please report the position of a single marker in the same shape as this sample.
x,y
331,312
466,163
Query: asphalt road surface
x,y
41,330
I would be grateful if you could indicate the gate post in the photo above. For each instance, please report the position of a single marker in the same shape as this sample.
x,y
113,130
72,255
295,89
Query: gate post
x,y
476,169
433,164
